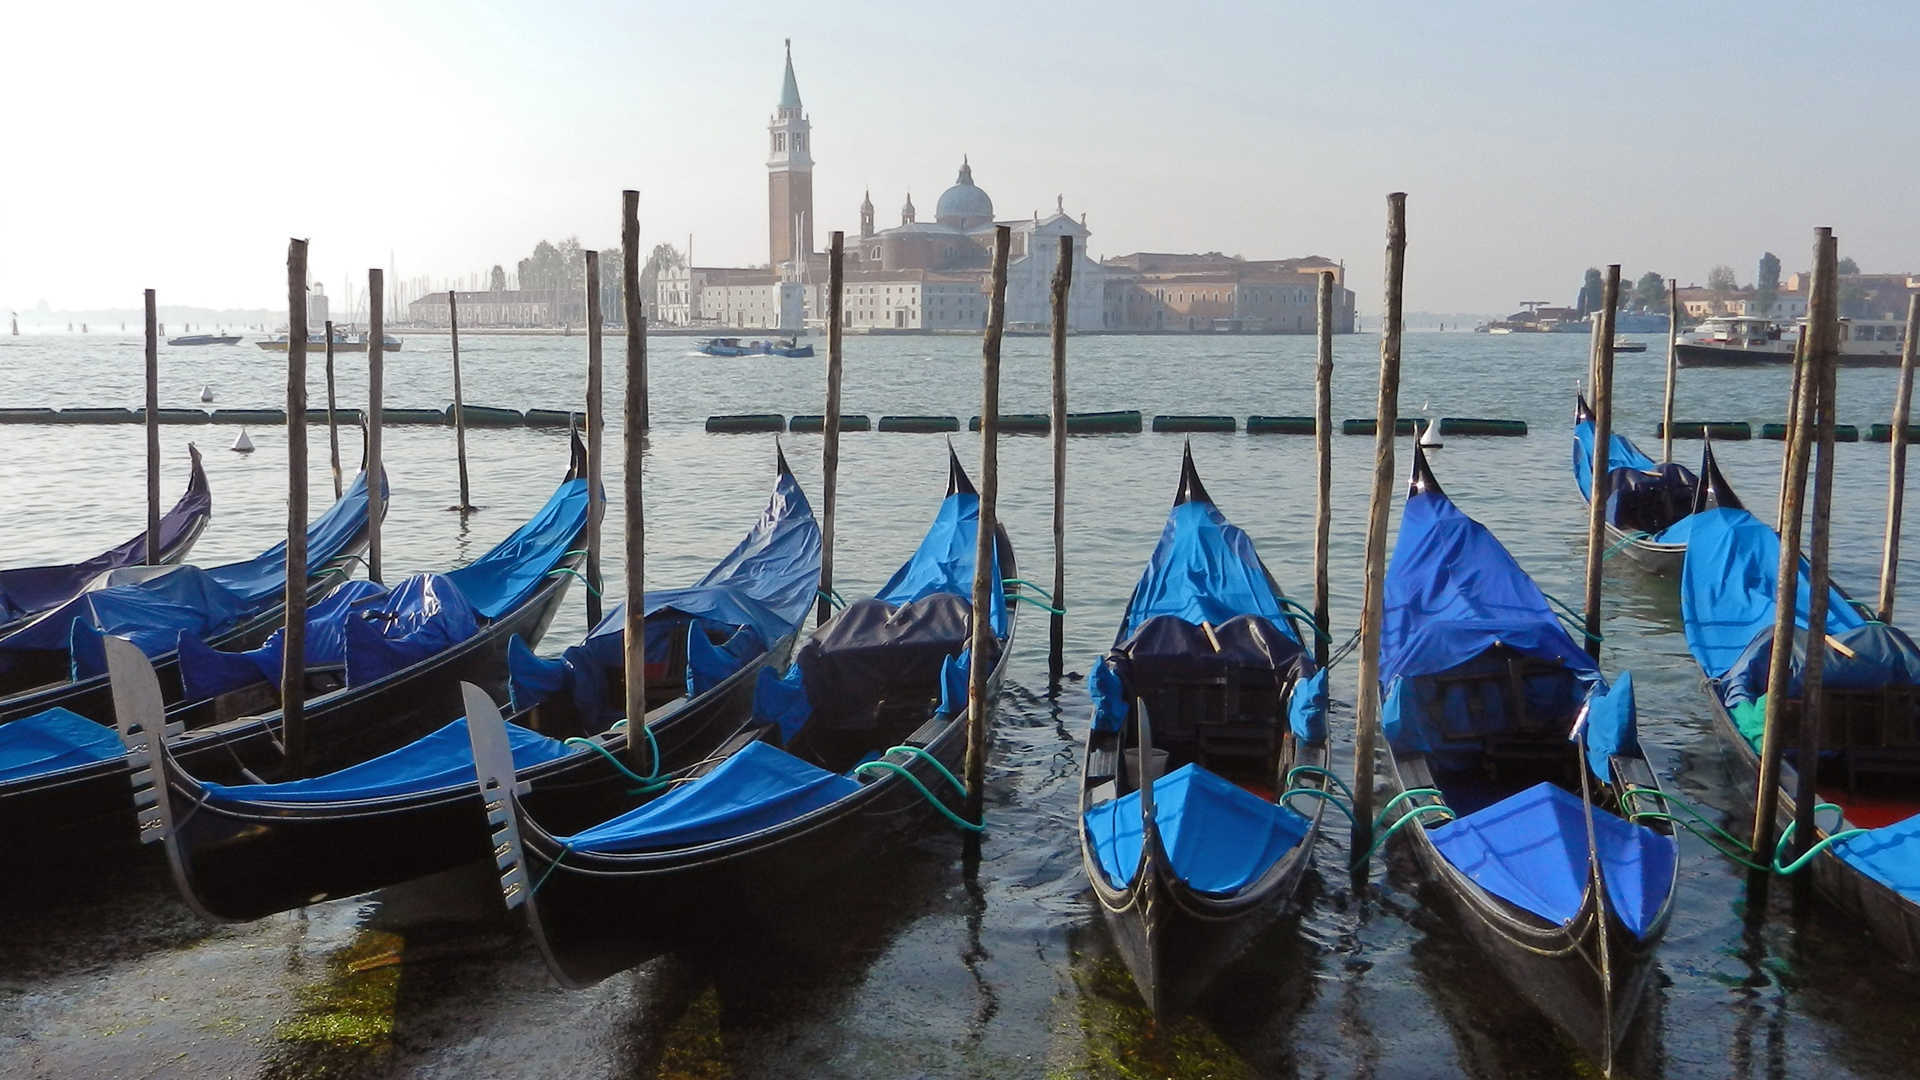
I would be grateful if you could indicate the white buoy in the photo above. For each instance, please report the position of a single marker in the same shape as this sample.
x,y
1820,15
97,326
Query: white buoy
x,y
206,392
243,445
1429,437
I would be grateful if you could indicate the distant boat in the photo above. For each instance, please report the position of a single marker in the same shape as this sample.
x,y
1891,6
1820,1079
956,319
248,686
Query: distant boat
x,y
791,347
205,339
1629,346
1741,341
725,346
342,342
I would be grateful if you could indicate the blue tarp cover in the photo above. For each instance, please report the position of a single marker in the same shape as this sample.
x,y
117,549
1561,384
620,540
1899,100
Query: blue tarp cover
x,y
207,672
1621,454
758,788
1530,849
1203,569
944,562
1727,589
512,570
1307,708
1453,592
54,740
1889,855
443,759
1219,837
1613,726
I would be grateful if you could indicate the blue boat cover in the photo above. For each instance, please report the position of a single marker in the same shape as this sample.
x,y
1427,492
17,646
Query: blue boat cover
x,y
1218,836
765,585
207,672
943,563
1203,569
1613,726
512,570
1889,855
781,700
1727,589
1530,849
760,787
1621,454
441,760
53,740
152,613
25,590
1307,708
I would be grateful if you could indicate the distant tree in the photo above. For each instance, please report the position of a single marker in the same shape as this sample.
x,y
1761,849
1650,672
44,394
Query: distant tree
x,y
1767,280
1650,292
1593,291
1848,266
1721,279
497,281
524,271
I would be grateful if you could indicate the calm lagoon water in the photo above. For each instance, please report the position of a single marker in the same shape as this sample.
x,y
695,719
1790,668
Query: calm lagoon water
x,y
913,968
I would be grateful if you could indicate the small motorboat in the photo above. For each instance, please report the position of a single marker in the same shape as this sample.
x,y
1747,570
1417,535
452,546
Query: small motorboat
x,y
342,342
791,348
1629,346
725,346
205,339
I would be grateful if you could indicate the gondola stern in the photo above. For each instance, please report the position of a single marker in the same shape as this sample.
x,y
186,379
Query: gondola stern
x,y
1582,412
958,483
1422,481
1713,490
780,466
1190,489
576,455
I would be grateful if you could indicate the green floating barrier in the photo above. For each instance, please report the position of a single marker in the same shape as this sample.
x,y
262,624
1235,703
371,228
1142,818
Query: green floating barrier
x,y
488,416
1116,422
549,417
1406,425
254,416
175,416
96,416
817,422
1884,433
1841,432
1472,425
1280,425
414,416
919,423
1176,423
29,416
1734,430
341,417
743,423
1020,423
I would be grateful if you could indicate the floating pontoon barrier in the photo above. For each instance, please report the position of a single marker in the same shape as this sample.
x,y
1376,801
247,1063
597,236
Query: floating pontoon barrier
x,y
96,416
1280,425
1177,423
1020,423
550,417
40,415
1734,430
1841,432
488,416
919,423
742,423
1406,425
341,416
1115,422
1475,425
175,416
1884,432
816,423
414,416
255,416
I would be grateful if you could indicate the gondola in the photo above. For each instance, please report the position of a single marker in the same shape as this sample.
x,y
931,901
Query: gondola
x,y
1869,767
383,666
845,755
27,591
241,851
1209,688
1648,503
55,661
1516,773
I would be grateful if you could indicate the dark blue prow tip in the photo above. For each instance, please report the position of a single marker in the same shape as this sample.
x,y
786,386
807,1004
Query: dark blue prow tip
x,y
957,481
780,466
1582,412
577,456
1423,481
1713,489
1190,490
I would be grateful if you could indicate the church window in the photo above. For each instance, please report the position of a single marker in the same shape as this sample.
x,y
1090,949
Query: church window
x,y
779,142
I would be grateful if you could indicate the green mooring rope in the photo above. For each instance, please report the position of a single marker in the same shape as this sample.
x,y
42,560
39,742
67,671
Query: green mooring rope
x,y
907,774
588,585
1623,542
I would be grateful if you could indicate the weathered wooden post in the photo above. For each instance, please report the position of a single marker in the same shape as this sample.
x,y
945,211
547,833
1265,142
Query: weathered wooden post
x,y
985,580
630,290
1602,438
1825,358
830,429
376,472
1057,431
1793,424
153,435
293,652
1323,457
596,444
1373,609
1673,368
459,403
1766,795
1897,476
333,428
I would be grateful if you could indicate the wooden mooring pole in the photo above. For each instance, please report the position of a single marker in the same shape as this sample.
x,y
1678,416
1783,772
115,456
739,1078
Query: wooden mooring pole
x,y
1057,433
1602,439
1897,474
293,652
1793,426
1323,459
459,403
830,428
635,624
596,442
376,471
1373,607
630,291
1766,796
333,427
1824,354
153,435
1673,368
980,660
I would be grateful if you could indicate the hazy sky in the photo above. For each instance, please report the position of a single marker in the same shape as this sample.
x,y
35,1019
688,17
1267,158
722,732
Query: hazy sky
x,y
178,145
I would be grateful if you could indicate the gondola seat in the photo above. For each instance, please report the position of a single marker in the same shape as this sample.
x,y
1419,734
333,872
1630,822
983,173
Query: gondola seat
x,y
1217,692
877,661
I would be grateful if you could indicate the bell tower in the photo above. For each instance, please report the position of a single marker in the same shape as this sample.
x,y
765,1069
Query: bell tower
x,y
789,176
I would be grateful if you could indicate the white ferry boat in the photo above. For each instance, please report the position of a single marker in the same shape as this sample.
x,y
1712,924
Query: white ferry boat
x,y
1742,341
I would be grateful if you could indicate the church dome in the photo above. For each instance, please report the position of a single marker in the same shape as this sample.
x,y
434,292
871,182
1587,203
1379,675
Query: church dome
x,y
963,205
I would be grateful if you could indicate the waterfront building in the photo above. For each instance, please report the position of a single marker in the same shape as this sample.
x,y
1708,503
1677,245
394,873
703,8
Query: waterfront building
x,y
730,297
501,308
1212,292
